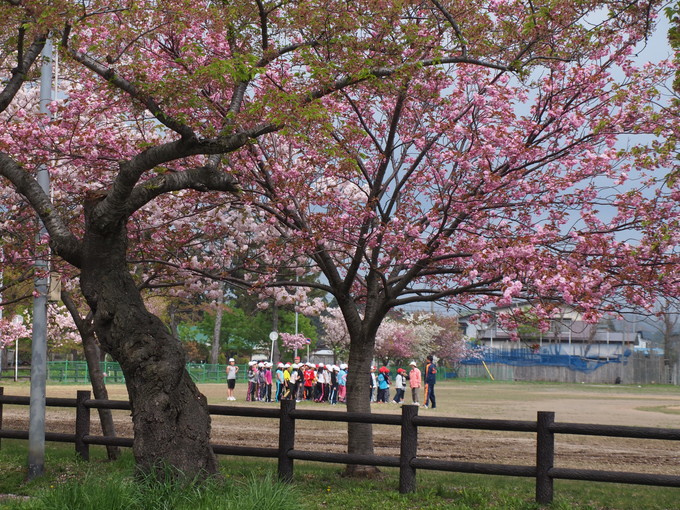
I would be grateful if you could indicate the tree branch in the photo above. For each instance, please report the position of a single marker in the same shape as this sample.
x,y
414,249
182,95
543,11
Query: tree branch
x,y
19,72
62,240
203,178
109,74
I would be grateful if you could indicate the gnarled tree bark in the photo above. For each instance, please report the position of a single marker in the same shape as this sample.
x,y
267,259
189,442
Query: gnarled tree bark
x,y
170,416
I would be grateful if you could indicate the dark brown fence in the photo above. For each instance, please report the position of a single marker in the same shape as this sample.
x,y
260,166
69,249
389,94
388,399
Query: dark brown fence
x,y
408,460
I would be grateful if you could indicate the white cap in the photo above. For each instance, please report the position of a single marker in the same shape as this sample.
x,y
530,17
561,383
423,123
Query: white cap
x,y
287,365
279,365
295,365
321,364
413,363
231,359
343,366
252,363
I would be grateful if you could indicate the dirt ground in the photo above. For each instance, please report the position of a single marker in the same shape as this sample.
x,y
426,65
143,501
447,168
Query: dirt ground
x,y
607,405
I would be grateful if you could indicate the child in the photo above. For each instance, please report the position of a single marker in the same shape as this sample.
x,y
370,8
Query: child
x,y
268,381
414,381
400,385
252,381
279,381
342,383
334,385
232,370
310,378
383,385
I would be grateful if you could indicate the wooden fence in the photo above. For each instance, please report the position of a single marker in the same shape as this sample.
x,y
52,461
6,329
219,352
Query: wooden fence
x,y
545,428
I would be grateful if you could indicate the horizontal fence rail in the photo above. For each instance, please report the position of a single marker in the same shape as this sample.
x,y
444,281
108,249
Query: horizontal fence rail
x,y
545,428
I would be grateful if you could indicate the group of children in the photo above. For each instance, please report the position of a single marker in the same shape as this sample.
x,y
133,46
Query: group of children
x,y
380,384
298,381
325,383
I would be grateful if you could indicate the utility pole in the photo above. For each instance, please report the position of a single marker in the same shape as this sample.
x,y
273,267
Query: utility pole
x,y
2,283
36,429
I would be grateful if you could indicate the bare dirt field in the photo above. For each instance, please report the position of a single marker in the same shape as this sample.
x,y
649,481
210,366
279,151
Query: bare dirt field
x,y
648,406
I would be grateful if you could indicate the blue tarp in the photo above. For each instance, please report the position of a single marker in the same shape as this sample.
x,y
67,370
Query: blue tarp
x,y
527,357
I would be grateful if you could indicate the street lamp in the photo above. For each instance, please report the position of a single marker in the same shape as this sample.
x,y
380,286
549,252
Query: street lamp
x,y
17,319
273,336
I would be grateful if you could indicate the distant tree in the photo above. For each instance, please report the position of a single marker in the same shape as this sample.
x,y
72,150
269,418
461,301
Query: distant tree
x,y
450,345
335,334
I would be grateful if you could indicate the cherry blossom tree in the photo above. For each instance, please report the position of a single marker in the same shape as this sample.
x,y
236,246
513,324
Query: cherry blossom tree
x,y
336,336
12,330
411,151
532,168
411,336
62,333
153,98
294,341
450,345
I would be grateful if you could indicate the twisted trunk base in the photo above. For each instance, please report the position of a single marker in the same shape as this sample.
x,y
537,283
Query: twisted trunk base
x,y
360,435
170,416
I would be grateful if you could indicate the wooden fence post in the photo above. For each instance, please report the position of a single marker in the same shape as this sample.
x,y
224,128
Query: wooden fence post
x,y
286,440
545,457
82,424
409,449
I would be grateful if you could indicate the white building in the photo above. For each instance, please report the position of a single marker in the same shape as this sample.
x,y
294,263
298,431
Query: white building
x,y
568,334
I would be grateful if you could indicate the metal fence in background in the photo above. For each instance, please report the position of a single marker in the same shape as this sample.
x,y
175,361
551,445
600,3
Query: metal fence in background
x,y
636,369
76,372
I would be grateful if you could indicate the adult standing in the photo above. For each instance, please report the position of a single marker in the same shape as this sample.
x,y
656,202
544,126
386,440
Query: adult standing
x,y
430,380
414,380
232,370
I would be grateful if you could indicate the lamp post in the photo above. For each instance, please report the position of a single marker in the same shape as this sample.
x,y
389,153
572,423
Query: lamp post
x,y
273,336
17,319
2,281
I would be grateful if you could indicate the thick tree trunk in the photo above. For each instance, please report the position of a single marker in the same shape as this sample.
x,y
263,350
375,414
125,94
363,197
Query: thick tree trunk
x,y
170,416
217,330
360,435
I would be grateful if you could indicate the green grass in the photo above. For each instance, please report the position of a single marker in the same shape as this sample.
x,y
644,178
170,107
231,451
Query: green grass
x,y
70,484
660,409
